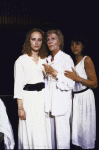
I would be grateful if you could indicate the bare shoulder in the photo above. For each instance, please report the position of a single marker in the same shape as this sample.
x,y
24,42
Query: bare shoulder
x,y
88,59
88,62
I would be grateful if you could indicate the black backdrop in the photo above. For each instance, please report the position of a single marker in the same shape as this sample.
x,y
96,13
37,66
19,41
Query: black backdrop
x,y
70,17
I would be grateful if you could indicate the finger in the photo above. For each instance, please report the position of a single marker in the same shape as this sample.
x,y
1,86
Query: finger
x,y
66,74
44,65
22,118
67,71
73,70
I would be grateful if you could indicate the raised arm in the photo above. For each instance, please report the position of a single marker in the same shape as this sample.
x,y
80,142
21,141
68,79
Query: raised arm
x,y
90,70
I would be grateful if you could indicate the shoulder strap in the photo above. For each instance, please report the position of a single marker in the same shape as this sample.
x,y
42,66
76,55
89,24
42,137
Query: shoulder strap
x,y
84,57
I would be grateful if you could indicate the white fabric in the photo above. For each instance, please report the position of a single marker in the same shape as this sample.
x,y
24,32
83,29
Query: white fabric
x,y
63,131
35,132
26,72
6,128
84,115
59,98
58,93
79,68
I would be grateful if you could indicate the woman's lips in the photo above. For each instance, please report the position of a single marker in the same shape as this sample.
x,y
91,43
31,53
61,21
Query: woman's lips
x,y
74,50
50,46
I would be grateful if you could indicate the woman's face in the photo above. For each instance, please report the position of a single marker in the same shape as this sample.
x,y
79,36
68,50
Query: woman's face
x,y
53,42
76,47
36,41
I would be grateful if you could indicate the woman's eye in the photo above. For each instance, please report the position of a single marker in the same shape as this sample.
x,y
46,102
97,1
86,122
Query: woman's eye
x,y
77,43
33,39
40,40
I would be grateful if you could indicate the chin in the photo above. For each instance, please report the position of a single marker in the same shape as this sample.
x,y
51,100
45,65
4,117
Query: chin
x,y
35,50
51,49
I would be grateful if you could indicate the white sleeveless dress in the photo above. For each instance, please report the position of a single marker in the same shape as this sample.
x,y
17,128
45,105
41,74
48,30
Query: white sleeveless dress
x,y
84,113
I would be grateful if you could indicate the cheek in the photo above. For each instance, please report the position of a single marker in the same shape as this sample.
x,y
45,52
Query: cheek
x,y
71,48
32,43
80,48
56,43
40,43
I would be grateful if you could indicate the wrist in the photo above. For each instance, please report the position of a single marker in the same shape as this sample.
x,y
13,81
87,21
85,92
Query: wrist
x,y
55,73
20,108
19,99
78,79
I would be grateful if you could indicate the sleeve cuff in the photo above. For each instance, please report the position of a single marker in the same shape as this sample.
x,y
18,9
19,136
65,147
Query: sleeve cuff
x,y
58,76
17,97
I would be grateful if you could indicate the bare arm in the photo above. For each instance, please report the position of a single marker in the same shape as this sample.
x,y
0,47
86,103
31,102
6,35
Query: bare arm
x,y
90,70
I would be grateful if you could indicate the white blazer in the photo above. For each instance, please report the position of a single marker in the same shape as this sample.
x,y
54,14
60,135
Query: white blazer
x,y
59,92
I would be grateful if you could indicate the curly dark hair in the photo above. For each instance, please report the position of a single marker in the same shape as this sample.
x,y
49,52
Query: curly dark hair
x,y
60,37
27,46
79,38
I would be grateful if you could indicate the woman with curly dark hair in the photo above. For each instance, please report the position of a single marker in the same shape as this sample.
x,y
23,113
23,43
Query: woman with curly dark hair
x,y
84,113
29,89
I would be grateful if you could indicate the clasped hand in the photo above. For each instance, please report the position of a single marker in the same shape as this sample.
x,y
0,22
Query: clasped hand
x,y
50,70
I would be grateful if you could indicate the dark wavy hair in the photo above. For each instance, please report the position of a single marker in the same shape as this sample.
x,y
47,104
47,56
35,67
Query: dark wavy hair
x,y
27,46
60,37
79,38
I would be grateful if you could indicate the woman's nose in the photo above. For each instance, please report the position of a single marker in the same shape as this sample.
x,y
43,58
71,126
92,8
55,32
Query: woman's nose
x,y
36,42
74,45
49,41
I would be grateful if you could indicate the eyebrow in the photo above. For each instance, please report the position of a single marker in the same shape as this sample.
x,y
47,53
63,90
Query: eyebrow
x,y
35,38
51,37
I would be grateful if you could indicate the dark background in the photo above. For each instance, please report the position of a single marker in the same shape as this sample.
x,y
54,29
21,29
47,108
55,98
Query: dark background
x,y
17,18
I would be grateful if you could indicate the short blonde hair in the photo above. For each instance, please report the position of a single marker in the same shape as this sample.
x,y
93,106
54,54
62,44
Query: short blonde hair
x,y
60,37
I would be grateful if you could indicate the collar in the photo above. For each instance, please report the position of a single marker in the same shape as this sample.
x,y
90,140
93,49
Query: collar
x,y
57,56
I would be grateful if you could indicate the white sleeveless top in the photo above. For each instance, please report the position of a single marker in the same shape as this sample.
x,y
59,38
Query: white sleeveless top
x,y
80,70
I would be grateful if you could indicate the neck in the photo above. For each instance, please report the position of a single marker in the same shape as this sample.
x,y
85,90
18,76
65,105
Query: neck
x,y
78,57
35,53
54,53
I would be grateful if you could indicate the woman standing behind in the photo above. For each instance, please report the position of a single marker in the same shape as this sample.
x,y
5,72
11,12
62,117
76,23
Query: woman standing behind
x,y
34,125
84,115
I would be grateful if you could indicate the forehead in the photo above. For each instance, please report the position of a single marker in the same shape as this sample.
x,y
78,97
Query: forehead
x,y
75,41
36,34
52,35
